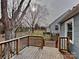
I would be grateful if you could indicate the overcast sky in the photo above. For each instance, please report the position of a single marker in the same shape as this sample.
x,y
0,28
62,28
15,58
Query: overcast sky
x,y
55,8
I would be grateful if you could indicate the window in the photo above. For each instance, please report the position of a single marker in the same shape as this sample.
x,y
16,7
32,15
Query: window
x,y
56,27
69,29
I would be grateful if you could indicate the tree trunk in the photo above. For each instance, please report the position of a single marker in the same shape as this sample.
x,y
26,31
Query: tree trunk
x,y
9,34
8,25
32,30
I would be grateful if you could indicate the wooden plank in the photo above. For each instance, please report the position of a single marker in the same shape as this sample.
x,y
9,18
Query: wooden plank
x,y
36,53
67,55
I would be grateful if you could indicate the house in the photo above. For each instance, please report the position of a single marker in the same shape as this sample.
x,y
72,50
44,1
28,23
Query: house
x,y
69,27
54,26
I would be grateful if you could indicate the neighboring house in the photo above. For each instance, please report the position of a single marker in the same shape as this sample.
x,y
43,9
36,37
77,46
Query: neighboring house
x,y
54,26
48,29
69,27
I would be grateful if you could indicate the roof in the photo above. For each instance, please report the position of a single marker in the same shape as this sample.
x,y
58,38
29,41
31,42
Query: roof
x,y
60,18
72,13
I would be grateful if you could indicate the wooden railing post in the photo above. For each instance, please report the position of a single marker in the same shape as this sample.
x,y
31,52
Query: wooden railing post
x,y
1,51
57,41
28,41
43,42
41,45
17,50
68,43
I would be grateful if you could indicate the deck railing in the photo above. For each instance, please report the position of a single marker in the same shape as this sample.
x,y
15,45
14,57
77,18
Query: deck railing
x,y
11,47
63,43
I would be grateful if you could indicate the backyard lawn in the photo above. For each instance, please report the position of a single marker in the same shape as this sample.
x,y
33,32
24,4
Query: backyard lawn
x,y
35,33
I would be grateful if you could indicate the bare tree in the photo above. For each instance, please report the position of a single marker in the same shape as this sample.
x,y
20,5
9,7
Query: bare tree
x,y
34,14
11,24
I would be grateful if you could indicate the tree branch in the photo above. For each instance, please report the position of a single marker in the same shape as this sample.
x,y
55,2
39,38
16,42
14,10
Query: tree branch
x,y
28,23
16,13
22,15
35,16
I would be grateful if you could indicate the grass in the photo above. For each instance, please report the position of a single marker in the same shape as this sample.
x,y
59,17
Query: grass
x,y
35,33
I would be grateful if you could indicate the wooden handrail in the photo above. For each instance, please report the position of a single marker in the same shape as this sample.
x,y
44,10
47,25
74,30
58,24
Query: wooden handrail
x,y
16,42
35,38
14,39
63,46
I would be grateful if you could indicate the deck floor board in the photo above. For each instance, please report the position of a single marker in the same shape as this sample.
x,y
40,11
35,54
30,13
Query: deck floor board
x,y
36,53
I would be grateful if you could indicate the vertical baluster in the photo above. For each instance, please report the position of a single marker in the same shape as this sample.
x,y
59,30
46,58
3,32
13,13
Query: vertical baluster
x,y
56,43
68,44
58,46
19,44
41,46
43,42
59,43
9,49
17,50
64,43
6,50
14,47
0,51
28,41
5,47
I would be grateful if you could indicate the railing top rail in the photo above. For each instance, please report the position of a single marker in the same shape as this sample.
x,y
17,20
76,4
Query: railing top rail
x,y
63,37
36,36
14,39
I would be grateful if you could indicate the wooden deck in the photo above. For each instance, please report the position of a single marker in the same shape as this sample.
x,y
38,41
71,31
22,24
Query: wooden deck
x,y
36,53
